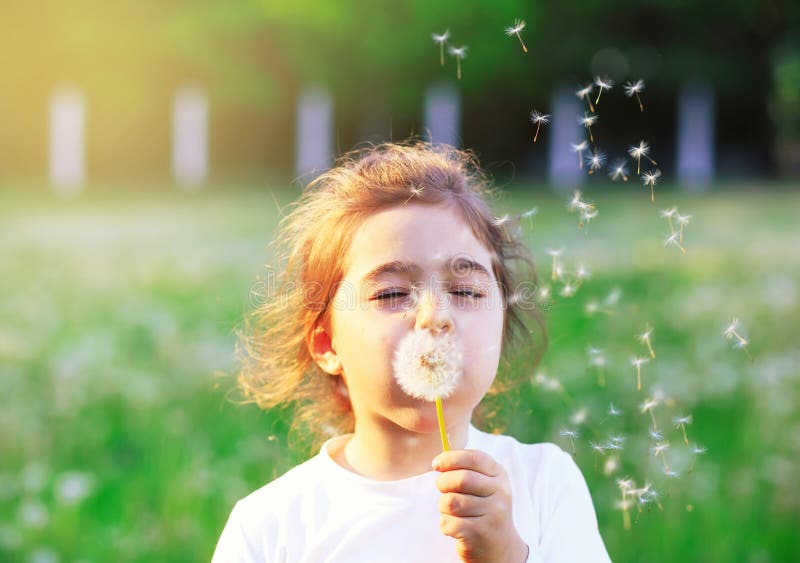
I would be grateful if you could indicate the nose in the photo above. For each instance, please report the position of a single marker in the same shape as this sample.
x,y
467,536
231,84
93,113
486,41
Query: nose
x,y
433,313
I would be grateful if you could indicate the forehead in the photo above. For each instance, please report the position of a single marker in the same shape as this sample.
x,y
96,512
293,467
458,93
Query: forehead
x,y
414,238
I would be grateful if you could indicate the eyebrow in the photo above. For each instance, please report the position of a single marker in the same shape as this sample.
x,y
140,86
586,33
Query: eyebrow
x,y
401,267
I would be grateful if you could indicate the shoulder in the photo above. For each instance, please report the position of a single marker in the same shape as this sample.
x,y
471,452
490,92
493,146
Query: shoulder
x,y
280,492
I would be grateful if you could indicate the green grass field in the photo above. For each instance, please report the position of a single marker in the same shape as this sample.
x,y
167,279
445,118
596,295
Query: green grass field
x,y
118,441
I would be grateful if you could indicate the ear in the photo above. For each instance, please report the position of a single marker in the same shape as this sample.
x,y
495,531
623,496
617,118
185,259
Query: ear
x,y
321,348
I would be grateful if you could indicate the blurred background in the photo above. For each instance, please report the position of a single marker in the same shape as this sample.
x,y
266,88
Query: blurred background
x,y
146,152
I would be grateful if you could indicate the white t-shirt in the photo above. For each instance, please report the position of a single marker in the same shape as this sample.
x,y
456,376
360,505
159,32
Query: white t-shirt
x,y
321,512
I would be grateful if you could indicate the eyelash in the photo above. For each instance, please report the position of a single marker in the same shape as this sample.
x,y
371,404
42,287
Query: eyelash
x,y
467,293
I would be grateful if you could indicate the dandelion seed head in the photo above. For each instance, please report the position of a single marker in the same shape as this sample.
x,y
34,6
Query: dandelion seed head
x,y
518,26
638,362
568,433
555,251
639,151
598,448
673,239
427,366
683,219
671,473
618,170
659,448
530,212
613,411
583,92
604,82
539,118
458,52
588,120
580,147
698,450
651,178
667,213
633,88
595,160
645,336
441,38
728,332
682,420
568,290
655,434
647,405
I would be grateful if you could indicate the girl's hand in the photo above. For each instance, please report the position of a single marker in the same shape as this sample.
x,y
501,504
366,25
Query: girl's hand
x,y
476,507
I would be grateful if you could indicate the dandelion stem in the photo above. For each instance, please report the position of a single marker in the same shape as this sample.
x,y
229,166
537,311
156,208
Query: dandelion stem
x,y
653,416
664,458
441,53
685,439
641,105
442,429
524,48
458,67
650,348
536,136
638,377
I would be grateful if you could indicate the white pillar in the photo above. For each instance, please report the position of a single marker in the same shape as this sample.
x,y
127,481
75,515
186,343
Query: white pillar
x,y
695,136
190,137
564,170
314,132
443,114
67,140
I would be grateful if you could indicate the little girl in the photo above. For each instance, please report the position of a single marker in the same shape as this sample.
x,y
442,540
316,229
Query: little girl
x,y
396,241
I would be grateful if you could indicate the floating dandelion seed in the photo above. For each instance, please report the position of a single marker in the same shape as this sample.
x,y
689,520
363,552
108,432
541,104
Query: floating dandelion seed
x,y
603,83
555,253
612,410
695,450
673,239
416,191
529,213
587,121
595,161
538,119
619,171
658,450
428,367
571,434
440,39
638,152
585,93
518,26
655,434
647,406
599,450
681,422
668,214
597,360
683,220
645,339
633,89
626,486
637,363
579,148
649,179
460,53
741,342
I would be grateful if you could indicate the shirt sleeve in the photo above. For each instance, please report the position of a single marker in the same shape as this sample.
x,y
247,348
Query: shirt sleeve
x,y
232,546
570,531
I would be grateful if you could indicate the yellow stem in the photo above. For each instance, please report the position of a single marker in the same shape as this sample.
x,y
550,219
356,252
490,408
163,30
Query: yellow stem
x,y
442,429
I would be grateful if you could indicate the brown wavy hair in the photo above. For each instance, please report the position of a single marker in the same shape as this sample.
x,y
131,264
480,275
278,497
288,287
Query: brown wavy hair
x,y
311,249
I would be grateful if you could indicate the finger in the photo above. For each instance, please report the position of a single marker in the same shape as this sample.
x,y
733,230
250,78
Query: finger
x,y
457,527
467,482
475,460
458,504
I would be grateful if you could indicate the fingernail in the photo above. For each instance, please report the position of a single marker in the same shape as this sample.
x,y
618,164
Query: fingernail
x,y
435,464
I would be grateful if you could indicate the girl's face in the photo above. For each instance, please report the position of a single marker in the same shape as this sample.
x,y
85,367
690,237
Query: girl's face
x,y
415,267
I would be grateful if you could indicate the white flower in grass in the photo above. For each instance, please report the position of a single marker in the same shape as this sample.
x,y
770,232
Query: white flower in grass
x,y
427,366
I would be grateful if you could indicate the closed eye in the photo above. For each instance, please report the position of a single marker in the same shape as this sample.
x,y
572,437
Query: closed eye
x,y
461,293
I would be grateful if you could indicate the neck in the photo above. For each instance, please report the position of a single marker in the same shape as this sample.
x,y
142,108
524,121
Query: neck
x,y
388,452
